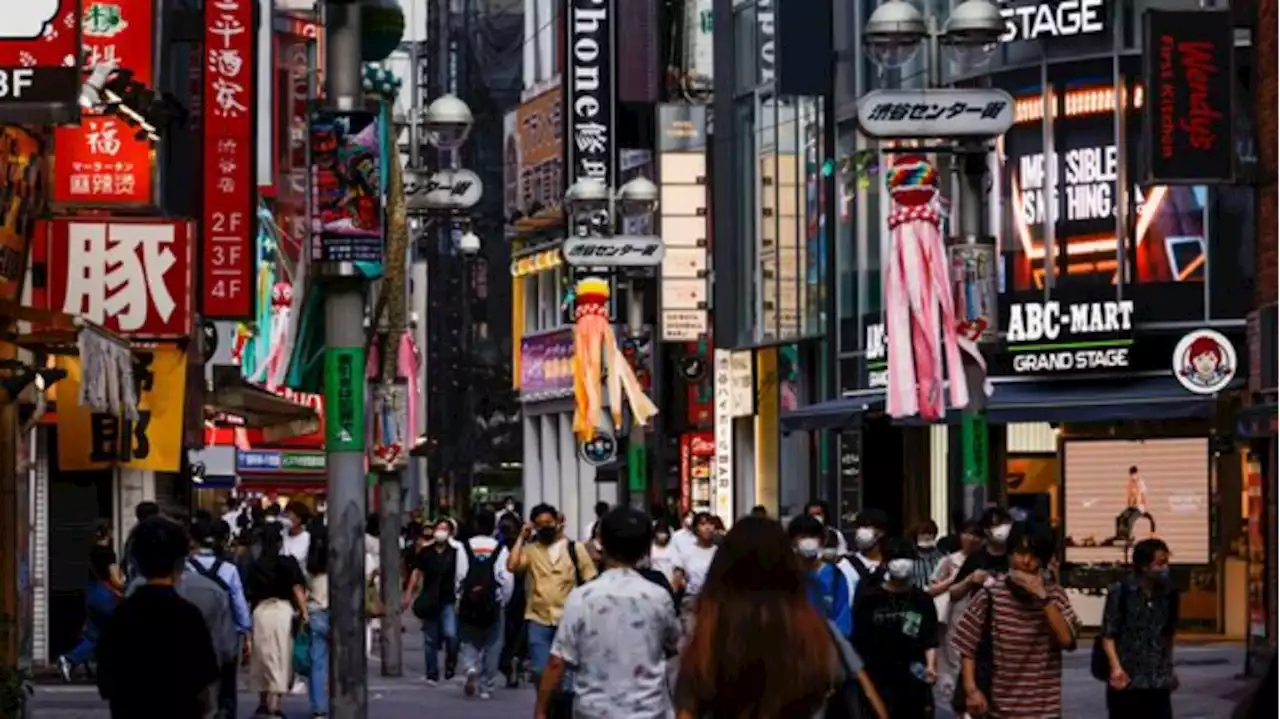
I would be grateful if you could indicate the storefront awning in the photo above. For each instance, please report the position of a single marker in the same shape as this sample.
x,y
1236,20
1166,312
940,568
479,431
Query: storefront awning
x,y
1143,398
832,414
251,407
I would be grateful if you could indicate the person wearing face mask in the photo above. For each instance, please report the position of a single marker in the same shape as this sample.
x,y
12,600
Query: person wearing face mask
x,y
661,554
1138,628
872,528
297,540
828,587
431,595
925,537
895,629
552,567
818,510
684,535
694,559
989,561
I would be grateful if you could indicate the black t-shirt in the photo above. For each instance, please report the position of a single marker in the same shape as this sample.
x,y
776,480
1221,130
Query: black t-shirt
x,y
101,557
984,560
891,631
274,578
156,657
438,568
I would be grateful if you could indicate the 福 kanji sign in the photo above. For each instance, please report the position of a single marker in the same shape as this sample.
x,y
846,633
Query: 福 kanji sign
x,y
103,162
131,276
228,227
965,112
39,58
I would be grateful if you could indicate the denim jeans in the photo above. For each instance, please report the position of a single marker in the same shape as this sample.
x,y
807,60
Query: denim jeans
x,y
481,651
318,681
441,630
99,603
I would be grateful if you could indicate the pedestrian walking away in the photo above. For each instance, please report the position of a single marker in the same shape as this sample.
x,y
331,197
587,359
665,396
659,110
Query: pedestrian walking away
x,y
318,619
484,588
1016,672
618,632
551,566
156,655
759,649
432,596
207,560
1134,651
277,588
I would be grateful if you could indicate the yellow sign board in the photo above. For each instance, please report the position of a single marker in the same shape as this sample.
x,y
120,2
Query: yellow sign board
x,y
96,440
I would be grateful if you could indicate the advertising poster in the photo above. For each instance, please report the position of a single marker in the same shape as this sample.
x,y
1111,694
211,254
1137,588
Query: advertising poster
x,y
346,191
697,455
1120,492
546,366
1074,187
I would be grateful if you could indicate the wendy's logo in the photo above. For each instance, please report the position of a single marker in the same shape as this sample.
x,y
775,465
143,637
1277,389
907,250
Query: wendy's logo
x,y
1204,362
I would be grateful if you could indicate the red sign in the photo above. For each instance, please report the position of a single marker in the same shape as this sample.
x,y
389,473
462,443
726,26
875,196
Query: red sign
x,y
103,162
697,450
39,53
294,73
230,219
131,276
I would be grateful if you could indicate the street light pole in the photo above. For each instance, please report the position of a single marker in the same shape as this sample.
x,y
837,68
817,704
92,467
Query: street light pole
x,y
344,336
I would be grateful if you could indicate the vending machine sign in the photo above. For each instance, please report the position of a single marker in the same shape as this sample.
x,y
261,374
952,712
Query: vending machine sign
x,y
230,221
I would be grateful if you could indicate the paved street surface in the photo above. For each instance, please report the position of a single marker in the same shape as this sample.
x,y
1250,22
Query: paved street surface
x,y
1207,672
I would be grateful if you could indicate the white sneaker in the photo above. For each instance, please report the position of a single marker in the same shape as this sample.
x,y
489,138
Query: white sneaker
x,y
486,695
469,687
430,682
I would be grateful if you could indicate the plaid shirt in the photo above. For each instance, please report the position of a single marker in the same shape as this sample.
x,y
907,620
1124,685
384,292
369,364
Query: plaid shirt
x,y
923,568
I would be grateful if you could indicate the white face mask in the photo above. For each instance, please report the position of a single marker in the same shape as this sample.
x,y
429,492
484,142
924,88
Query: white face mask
x,y
830,554
440,535
900,568
926,543
864,537
320,508
1000,533
808,547
286,523
821,519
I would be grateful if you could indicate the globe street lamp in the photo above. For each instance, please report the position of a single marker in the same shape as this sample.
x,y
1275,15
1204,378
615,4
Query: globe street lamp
x,y
896,29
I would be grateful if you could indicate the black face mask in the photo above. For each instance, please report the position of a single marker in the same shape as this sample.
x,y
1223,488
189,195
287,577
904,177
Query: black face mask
x,y
546,535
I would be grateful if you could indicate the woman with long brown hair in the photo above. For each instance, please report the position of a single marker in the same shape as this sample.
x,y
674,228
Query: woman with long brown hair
x,y
758,649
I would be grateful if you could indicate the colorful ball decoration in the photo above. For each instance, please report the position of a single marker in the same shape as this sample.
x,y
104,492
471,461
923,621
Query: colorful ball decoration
x,y
591,297
380,81
912,181
381,29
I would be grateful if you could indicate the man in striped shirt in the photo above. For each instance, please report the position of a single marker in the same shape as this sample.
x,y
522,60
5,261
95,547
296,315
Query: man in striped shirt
x,y
1023,660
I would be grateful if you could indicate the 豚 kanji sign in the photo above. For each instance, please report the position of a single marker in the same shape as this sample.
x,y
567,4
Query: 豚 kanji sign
x,y
103,161
628,251
130,276
228,227
39,58
964,112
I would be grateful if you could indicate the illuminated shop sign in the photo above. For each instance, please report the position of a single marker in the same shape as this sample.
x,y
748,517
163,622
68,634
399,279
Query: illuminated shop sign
x,y
1059,337
1069,18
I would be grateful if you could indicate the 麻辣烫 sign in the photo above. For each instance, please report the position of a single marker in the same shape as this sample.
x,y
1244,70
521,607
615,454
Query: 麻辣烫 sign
x,y
90,440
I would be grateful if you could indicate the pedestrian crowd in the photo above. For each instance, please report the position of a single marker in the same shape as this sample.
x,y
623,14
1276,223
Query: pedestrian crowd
x,y
641,620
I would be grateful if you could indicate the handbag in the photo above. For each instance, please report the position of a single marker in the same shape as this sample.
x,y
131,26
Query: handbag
x,y
302,653
372,601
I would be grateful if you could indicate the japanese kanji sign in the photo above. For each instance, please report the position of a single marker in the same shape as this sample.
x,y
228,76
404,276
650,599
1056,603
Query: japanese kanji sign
x,y
613,251
103,162
590,87
39,58
130,276
98,440
903,114
228,228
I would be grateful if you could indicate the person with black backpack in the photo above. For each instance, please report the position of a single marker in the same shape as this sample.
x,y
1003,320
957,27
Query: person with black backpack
x,y
1134,651
209,563
484,588
871,531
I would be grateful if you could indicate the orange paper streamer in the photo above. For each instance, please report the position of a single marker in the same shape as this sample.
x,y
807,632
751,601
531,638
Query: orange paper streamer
x,y
595,348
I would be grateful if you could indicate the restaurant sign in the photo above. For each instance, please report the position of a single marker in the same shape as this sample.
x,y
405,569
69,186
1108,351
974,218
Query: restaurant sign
x,y
546,366
1065,337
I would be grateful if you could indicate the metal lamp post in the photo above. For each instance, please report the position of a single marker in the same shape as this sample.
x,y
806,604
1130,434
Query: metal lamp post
x,y
594,209
469,248
892,36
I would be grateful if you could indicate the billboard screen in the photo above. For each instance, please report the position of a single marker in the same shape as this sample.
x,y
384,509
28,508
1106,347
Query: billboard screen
x,y
1120,492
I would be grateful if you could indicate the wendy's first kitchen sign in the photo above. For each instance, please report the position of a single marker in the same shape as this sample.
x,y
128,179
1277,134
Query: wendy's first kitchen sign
x,y
1189,79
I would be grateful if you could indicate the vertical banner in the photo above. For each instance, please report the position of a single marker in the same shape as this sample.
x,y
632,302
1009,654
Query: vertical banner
x,y
97,440
344,399
591,144
722,486
229,227
1189,80
104,161
40,60
346,191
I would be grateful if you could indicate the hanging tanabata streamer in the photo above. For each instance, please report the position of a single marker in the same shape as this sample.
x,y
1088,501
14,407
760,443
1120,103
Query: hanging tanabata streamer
x,y
271,374
920,321
595,348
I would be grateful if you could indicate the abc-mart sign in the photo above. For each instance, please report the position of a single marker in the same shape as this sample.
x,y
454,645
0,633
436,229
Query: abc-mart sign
x,y
40,58
1031,21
